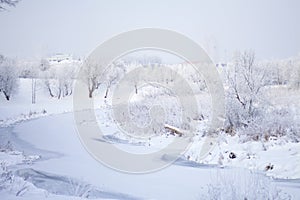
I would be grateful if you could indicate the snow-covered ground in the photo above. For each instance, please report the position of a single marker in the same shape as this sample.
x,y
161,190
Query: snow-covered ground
x,y
42,157
20,108
278,158
182,180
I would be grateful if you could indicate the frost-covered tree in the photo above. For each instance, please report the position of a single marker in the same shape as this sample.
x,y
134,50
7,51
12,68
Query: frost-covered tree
x,y
199,81
147,61
113,75
278,72
44,65
65,76
249,112
48,77
91,76
295,77
245,82
9,3
28,69
58,79
8,77
275,72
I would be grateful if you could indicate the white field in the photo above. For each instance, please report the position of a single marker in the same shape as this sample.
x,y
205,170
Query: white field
x,y
49,162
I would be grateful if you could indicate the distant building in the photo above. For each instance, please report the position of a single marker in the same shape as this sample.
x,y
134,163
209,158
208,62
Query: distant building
x,y
59,57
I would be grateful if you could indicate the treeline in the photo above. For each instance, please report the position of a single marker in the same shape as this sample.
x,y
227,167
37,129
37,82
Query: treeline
x,y
246,82
57,79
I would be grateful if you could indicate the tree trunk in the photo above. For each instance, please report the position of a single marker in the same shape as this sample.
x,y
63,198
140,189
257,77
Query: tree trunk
x,y
6,95
33,91
91,93
50,92
136,90
59,93
49,88
106,93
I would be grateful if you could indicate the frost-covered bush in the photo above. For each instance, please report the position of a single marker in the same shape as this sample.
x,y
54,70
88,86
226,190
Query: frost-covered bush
x,y
143,105
274,122
79,189
236,184
6,176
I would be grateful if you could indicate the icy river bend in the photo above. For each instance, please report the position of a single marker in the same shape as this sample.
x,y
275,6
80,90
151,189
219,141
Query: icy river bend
x,y
63,158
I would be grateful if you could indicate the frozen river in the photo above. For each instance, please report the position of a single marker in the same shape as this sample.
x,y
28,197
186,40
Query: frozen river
x,y
64,158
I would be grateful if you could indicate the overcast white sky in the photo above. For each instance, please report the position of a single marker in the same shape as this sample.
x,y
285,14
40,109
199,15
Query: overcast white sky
x,y
36,28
